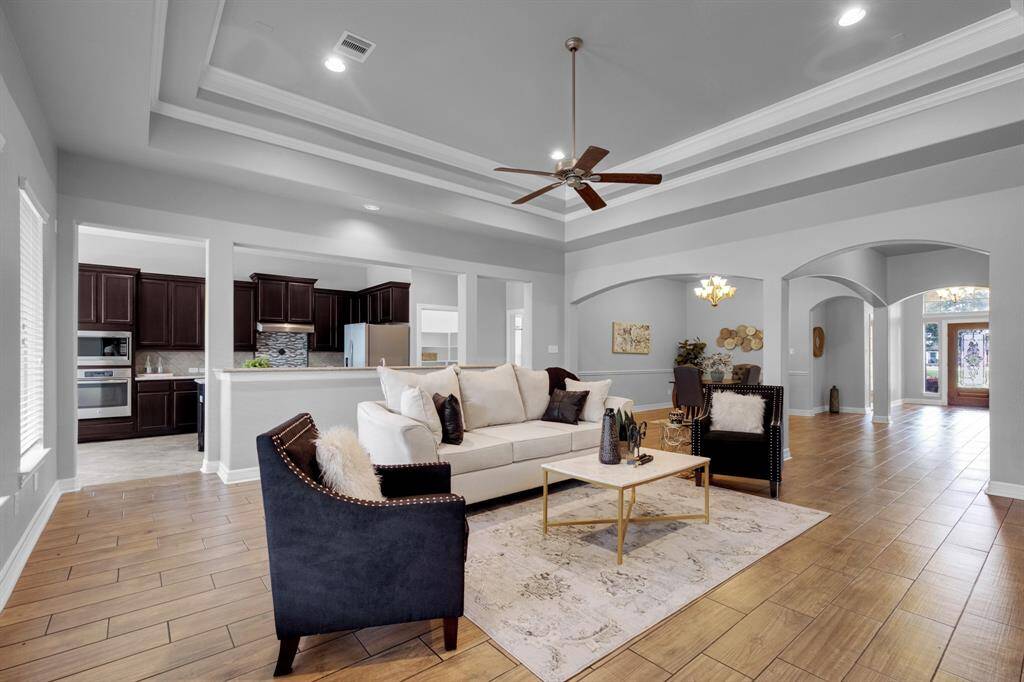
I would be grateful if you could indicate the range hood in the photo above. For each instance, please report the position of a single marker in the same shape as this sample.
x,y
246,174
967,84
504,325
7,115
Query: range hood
x,y
286,327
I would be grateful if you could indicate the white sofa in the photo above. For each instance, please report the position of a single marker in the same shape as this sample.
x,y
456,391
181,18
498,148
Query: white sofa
x,y
492,460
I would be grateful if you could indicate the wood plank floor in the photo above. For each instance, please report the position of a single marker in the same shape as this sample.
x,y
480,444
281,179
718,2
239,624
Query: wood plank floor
x,y
916,575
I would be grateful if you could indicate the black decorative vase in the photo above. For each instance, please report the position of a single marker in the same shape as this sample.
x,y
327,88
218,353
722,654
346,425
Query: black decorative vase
x,y
608,452
833,400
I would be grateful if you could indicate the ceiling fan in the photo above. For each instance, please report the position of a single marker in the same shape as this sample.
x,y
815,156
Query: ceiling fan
x,y
578,172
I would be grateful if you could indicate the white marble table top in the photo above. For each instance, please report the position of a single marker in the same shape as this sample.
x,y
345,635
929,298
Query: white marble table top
x,y
588,468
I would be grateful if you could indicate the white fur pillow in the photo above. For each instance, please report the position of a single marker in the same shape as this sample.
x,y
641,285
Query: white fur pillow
x,y
345,465
732,411
533,389
490,397
393,382
593,409
416,404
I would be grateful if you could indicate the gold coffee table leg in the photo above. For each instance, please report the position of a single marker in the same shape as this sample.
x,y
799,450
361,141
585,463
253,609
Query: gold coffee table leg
x,y
545,504
621,528
707,492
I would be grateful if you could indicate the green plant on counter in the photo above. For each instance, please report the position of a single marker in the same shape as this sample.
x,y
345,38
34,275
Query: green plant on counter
x,y
624,420
258,363
691,352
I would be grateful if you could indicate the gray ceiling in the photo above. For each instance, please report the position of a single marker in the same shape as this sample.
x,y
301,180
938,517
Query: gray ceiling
x,y
905,249
492,77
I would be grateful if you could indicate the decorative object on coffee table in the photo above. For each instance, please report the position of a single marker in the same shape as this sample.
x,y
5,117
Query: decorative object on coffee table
x,y
818,336
631,337
624,422
608,453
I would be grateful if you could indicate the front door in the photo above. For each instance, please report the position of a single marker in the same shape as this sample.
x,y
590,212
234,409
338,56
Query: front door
x,y
968,364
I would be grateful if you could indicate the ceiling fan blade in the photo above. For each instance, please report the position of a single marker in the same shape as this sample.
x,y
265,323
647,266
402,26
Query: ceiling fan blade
x,y
591,197
534,195
635,178
546,174
590,158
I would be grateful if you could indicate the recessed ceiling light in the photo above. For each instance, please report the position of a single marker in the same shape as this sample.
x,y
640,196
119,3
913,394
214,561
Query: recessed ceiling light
x,y
557,155
852,16
334,63
371,207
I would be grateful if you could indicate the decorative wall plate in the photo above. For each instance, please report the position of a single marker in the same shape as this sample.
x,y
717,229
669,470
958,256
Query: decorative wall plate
x,y
745,337
818,337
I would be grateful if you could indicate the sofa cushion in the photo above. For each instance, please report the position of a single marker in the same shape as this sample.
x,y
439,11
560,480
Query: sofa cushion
x,y
565,406
449,412
393,382
490,397
477,451
593,409
533,389
530,440
585,435
419,405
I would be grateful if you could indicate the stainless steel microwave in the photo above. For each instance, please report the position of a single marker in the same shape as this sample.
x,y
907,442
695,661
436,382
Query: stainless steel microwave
x,y
104,349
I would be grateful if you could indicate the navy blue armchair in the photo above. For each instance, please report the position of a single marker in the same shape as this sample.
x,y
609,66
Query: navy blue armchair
x,y
339,563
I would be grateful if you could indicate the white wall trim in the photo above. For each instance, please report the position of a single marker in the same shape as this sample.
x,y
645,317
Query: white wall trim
x,y
209,467
923,103
923,401
1014,490
651,406
988,32
156,57
786,454
817,409
881,419
26,543
620,372
230,476
69,485
852,410
3,142
799,373
25,186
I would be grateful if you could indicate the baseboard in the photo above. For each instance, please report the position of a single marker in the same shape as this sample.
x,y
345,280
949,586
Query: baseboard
x,y
786,454
230,476
923,401
69,485
209,467
652,406
881,419
793,412
1014,490
852,410
19,556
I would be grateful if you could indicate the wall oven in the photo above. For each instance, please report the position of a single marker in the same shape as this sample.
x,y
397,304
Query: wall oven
x,y
104,349
104,393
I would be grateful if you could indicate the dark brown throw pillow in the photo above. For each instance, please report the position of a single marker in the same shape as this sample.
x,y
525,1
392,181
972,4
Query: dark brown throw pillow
x,y
450,413
565,406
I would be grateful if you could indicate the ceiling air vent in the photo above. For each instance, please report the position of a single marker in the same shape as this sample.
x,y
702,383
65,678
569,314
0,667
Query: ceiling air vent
x,y
354,47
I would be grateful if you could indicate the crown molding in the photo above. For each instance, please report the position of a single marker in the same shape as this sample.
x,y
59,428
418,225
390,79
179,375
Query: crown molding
x,y
156,57
979,85
259,94
936,53
261,135
25,186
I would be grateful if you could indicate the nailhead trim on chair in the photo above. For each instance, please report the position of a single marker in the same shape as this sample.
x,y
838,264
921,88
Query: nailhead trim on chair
x,y
307,421
775,442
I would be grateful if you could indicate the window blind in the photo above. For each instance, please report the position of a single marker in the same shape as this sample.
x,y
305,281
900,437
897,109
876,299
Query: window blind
x,y
31,324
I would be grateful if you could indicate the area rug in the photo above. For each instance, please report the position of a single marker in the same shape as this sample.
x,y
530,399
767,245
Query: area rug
x,y
559,603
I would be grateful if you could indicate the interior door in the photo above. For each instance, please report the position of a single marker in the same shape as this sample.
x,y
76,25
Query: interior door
x,y
968,366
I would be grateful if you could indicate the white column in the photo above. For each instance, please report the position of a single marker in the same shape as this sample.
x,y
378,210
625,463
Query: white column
x,y
220,343
467,318
775,297
880,365
1006,380
571,352
67,350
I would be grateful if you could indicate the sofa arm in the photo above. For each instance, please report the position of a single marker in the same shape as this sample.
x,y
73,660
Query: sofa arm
x,y
617,403
393,439
406,480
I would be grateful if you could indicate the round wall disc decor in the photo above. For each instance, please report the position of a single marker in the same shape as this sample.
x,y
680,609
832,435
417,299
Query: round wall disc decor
x,y
744,337
819,342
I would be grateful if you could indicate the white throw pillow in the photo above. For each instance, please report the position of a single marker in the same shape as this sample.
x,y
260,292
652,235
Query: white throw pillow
x,y
593,409
737,412
533,389
416,404
490,397
345,465
393,382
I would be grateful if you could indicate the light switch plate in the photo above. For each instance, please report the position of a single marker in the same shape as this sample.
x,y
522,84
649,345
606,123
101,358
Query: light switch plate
x,y
552,349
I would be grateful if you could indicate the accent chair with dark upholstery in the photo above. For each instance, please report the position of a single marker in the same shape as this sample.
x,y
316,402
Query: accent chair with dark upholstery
x,y
339,563
746,374
748,455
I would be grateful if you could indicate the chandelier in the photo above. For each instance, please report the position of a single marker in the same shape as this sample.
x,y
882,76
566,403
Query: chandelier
x,y
955,294
714,289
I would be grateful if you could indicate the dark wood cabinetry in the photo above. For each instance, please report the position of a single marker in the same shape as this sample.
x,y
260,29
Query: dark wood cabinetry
x,y
330,315
106,297
166,407
386,303
283,299
171,312
245,316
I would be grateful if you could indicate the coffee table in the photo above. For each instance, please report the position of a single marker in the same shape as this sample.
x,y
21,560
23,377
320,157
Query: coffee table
x,y
623,477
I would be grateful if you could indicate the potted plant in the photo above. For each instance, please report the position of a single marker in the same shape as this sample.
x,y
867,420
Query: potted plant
x,y
716,365
623,421
691,353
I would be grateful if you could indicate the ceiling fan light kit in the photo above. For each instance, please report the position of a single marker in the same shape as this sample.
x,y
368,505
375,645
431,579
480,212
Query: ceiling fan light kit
x,y
578,172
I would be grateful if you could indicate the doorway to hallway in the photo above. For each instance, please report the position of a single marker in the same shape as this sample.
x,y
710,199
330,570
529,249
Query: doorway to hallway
x,y
968,366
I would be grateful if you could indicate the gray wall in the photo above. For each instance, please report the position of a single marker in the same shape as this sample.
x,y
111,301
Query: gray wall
x,y
491,316
662,303
845,354
427,287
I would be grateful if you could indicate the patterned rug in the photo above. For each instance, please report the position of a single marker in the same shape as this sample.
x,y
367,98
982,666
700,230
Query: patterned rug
x,y
559,603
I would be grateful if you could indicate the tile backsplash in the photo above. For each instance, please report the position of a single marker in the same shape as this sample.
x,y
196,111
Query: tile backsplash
x,y
283,349
173,361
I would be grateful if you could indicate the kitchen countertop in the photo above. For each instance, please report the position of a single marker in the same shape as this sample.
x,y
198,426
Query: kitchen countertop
x,y
334,368
169,377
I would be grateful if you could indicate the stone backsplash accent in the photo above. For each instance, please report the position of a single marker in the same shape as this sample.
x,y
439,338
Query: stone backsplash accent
x,y
283,349
177,362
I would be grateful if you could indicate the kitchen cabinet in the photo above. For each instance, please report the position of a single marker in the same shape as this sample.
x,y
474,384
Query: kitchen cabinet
x,y
171,312
386,303
282,299
166,407
106,297
327,323
245,316
185,406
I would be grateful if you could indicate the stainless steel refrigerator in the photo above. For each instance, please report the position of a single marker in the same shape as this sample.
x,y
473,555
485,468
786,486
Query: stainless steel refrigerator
x,y
367,344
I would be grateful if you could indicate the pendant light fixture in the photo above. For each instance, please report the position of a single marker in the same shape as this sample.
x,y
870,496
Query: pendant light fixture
x,y
714,290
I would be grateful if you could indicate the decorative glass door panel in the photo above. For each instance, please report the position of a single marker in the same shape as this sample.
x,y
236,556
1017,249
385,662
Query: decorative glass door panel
x,y
968,364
